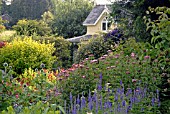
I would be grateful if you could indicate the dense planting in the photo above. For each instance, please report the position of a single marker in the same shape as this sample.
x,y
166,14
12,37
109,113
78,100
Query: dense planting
x,y
111,74
26,53
32,27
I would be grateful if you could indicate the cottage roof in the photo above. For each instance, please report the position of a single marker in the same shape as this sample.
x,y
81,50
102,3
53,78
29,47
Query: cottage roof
x,y
81,38
96,13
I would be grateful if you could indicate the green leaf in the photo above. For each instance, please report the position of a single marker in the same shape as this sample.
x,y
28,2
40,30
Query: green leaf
x,y
61,109
46,110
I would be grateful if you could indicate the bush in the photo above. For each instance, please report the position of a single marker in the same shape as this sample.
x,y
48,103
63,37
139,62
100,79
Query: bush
x,y
37,108
62,50
32,27
25,53
99,45
2,28
115,67
95,46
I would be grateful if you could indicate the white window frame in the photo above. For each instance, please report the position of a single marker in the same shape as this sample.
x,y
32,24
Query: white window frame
x,y
106,21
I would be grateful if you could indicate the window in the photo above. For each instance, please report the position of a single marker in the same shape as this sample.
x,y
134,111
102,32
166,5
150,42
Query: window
x,y
106,24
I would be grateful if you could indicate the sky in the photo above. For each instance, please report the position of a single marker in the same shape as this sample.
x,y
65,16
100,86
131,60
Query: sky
x,y
104,1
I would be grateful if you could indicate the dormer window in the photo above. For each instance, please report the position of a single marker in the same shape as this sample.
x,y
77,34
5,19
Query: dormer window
x,y
106,23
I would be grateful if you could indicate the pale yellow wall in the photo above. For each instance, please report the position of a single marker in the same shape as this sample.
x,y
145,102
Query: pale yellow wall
x,y
94,29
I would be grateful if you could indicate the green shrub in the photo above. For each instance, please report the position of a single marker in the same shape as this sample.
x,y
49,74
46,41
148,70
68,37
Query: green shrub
x,y
160,27
2,28
159,30
32,27
25,53
140,48
95,46
62,50
131,65
38,108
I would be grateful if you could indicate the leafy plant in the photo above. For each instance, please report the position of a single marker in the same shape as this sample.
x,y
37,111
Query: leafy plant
x,y
126,14
69,16
38,108
160,27
32,27
115,67
96,46
62,50
24,53
2,27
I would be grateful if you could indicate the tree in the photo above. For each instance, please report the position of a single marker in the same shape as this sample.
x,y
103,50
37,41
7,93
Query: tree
x,y
28,9
0,6
129,14
69,16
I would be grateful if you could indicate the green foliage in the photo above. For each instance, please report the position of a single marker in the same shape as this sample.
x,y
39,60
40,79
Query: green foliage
x,y
48,17
127,15
22,54
95,46
161,40
62,50
134,67
32,27
2,27
140,48
69,16
27,89
160,27
38,108
7,35
24,9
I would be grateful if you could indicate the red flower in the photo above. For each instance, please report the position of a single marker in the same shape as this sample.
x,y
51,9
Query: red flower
x,y
134,80
146,57
132,55
127,72
91,55
83,76
17,96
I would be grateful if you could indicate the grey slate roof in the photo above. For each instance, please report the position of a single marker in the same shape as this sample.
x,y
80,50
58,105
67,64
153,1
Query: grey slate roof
x,y
94,14
80,38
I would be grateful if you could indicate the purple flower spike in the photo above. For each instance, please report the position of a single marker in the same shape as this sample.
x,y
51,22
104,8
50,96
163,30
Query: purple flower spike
x,y
116,97
159,103
97,106
121,82
100,76
78,100
105,105
90,104
74,108
153,101
124,103
118,107
99,87
71,97
101,103
83,102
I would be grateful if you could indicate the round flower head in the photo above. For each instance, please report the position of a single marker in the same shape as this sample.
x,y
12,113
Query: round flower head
x,y
5,64
42,65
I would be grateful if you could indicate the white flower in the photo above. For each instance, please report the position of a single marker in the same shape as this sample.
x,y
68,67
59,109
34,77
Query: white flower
x,y
89,113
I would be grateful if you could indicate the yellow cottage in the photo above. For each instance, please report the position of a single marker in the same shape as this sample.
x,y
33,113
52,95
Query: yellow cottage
x,y
98,21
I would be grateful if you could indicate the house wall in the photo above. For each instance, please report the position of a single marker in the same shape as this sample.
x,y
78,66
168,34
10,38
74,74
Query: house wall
x,y
95,29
